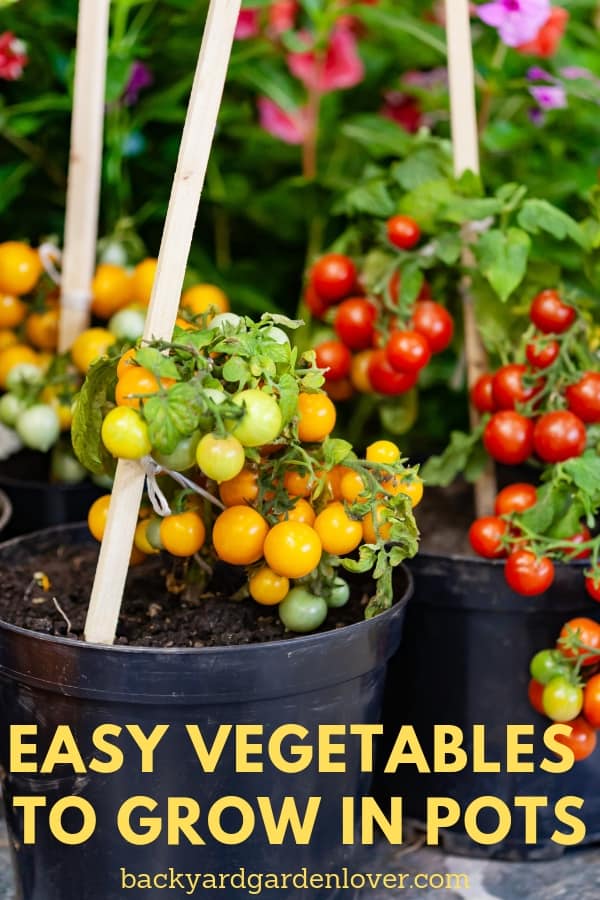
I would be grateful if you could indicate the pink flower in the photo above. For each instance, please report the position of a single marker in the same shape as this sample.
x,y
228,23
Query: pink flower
x,y
248,24
548,38
341,66
402,109
13,57
289,127
517,21
282,16
549,97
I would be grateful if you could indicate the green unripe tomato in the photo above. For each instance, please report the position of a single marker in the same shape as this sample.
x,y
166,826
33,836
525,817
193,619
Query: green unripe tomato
x,y
183,456
302,611
222,320
262,420
153,533
38,427
220,458
64,468
128,324
277,334
562,700
23,375
10,409
339,594
547,664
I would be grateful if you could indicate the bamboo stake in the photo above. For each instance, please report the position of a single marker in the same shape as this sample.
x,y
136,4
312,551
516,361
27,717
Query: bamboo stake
x,y
465,140
196,142
85,167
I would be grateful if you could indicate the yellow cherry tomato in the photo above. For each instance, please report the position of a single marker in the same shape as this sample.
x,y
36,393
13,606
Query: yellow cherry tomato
x,y
142,281
352,486
14,356
383,452
301,511
413,489
135,385
20,268
97,516
7,339
12,311
140,539
204,297
316,417
369,533
239,535
359,373
338,532
182,534
89,346
268,588
241,489
125,434
111,290
41,329
292,549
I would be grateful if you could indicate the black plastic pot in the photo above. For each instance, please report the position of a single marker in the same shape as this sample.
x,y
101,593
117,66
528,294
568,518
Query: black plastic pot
x,y
334,677
464,660
36,502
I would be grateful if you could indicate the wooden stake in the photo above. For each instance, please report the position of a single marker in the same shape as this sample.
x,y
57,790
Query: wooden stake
x,y
196,142
465,141
85,168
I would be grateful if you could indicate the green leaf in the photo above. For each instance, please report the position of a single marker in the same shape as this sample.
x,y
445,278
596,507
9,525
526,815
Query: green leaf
x,y
235,370
365,561
539,215
335,451
422,166
442,470
502,258
471,209
372,199
172,416
585,472
380,136
288,398
156,362
399,414
426,202
97,390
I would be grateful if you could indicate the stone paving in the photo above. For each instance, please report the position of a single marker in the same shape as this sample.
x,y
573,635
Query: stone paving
x,y
576,876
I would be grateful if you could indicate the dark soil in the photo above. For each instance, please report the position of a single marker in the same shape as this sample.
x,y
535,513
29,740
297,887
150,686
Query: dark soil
x,y
444,516
152,614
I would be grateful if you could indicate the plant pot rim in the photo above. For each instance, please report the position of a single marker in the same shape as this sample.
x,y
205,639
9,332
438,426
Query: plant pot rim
x,y
481,561
6,510
29,483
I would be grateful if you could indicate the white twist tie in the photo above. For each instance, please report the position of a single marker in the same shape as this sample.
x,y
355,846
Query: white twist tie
x,y
50,255
78,300
159,502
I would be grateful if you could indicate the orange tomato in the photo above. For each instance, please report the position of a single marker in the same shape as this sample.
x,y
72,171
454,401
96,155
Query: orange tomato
x,y
140,539
334,480
298,484
241,489
182,534
338,532
413,489
20,268
316,417
7,338
111,290
383,452
352,486
369,532
292,549
135,381
204,297
41,329
126,361
142,280
301,511
359,373
339,390
97,516
239,535
12,311
268,588
13,356
89,346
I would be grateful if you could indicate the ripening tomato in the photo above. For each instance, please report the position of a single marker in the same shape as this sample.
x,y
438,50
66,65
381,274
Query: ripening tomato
x,y
182,534
241,489
340,390
549,314
293,549
338,532
268,588
542,355
408,351
13,356
547,664
515,498
355,323
582,537
359,373
593,588
135,385
20,268
262,420
583,398
435,323
335,358
508,388
558,436
591,701
562,700
111,290
316,417
97,516
202,298
140,538
485,536
403,232
528,574
333,277
587,633
582,740
220,458
508,437
535,692
239,535
482,394
387,380
125,434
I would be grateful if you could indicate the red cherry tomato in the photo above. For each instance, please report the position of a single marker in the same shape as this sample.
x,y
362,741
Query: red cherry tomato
x,y
508,387
534,692
593,589
508,437
549,314
336,358
528,574
540,356
408,351
435,324
485,536
355,323
315,303
582,740
583,397
591,701
582,537
386,380
482,394
558,436
403,232
588,634
515,498
333,277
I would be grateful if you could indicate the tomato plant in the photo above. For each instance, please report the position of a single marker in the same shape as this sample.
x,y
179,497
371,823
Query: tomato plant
x,y
239,430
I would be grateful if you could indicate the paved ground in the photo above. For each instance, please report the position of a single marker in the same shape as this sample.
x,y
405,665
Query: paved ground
x,y
574,877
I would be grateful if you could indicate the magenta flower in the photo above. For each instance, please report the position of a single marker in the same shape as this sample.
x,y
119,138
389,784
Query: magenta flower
x,y
140,77
340,67
282,16
402,109
13,56
549,97
248,24
517,21
289,127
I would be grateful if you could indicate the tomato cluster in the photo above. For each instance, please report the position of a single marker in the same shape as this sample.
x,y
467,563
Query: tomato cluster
x,y
268,488
379,346
565,684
